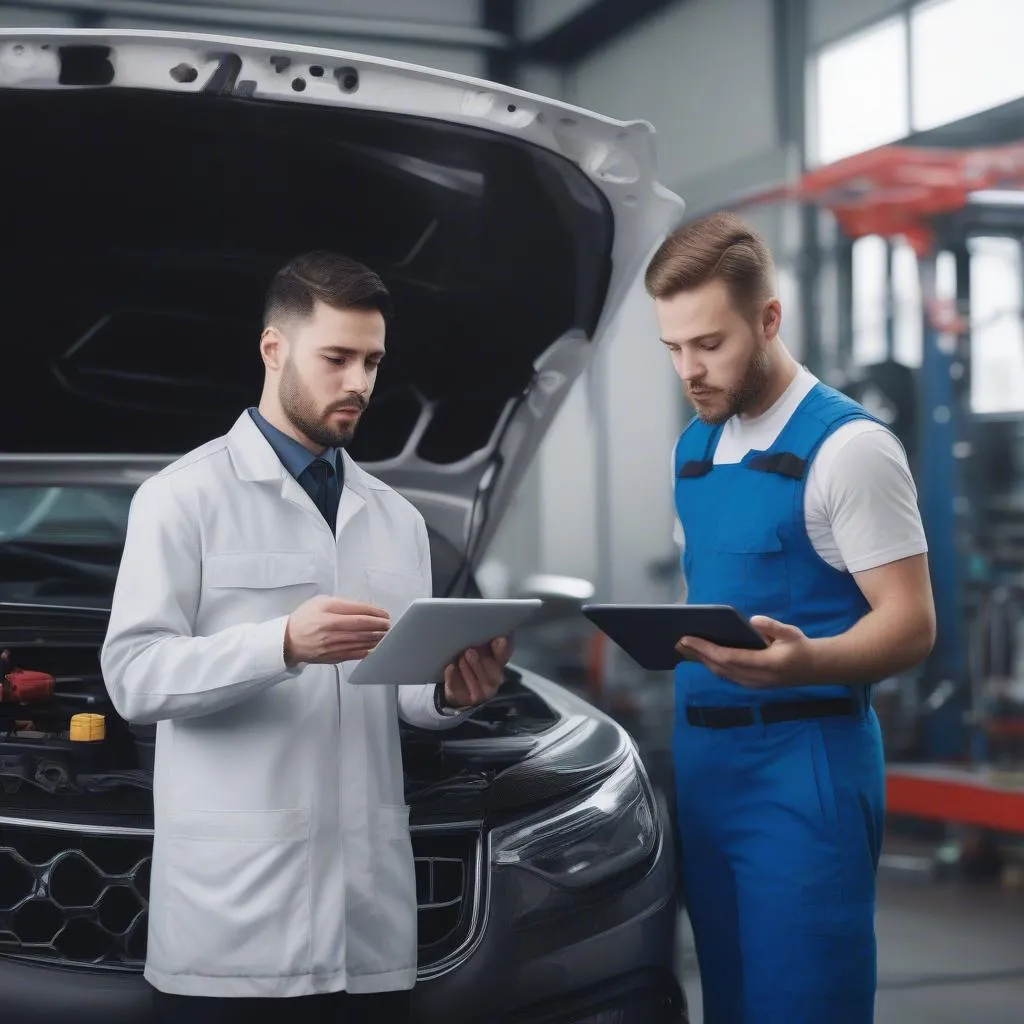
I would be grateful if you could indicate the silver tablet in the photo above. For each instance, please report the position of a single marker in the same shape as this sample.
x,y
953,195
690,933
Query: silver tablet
x,y
432,632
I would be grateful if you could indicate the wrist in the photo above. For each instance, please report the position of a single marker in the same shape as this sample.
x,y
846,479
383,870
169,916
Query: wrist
x,y
286,646
443,705
817,662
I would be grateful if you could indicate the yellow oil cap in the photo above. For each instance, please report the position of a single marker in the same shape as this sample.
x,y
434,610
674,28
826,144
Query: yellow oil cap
x,y
87,728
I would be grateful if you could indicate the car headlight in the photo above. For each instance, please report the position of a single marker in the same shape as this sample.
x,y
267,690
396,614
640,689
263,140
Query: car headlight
x,y
607,831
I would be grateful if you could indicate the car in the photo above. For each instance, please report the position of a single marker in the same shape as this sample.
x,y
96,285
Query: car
x,y
153,183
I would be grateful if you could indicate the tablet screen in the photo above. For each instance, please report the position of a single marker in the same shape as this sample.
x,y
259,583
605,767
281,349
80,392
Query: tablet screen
x,y
649,633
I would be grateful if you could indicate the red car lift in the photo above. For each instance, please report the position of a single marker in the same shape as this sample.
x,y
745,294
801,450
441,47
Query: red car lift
x,y
899,191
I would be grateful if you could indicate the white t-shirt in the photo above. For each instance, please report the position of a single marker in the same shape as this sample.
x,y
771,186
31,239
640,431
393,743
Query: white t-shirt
x,y
860,503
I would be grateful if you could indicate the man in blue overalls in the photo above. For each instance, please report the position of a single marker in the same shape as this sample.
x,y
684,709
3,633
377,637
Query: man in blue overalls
x,y
797,508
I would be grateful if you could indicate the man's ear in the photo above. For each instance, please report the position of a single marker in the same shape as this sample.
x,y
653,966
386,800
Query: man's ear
x,y
272,348
771,319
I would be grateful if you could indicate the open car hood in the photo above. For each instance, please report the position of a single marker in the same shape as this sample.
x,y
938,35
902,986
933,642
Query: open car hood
x,y
157,180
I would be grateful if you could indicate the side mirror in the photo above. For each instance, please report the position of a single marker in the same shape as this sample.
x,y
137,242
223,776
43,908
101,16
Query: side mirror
x,y
563,596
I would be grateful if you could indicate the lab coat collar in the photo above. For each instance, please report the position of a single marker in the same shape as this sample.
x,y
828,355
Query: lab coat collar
x,y
254,459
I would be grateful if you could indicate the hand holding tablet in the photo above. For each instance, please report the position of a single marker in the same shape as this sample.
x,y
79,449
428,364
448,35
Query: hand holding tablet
x,y
433,633
650,633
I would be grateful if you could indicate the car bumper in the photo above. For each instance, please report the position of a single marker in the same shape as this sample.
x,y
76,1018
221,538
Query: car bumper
x,y
45,994
611,960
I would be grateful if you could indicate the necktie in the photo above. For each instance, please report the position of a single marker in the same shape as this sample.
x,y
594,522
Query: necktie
x,y
324,490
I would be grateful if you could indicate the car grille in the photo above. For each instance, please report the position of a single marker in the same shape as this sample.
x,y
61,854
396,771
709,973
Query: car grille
x,y
79,896
450,880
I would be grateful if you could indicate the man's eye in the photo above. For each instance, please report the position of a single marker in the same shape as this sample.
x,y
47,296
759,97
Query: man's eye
x,y
711,346
335,360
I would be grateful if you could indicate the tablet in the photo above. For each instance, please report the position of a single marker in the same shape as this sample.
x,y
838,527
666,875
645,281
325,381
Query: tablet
x,y
648,633
432,632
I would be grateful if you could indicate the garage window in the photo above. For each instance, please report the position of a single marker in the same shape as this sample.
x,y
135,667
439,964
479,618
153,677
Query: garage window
x,y
965,58
997,331
858,93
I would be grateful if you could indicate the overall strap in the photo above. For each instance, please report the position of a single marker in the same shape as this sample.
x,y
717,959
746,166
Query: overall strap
x,y
818,415
695,449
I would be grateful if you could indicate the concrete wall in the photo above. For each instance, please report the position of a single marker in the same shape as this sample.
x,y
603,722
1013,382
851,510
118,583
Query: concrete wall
x,y
605,508
13,16
702,72
536,18
830,20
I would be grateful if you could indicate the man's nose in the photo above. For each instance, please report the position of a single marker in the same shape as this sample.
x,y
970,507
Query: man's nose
x,y
357,381
689,367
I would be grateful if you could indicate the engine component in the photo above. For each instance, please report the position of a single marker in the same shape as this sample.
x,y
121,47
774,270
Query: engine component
x,y
27,686
87,728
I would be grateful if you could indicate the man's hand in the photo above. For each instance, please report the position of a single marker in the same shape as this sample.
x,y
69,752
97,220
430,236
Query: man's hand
x,y
789,659
476,674
327,630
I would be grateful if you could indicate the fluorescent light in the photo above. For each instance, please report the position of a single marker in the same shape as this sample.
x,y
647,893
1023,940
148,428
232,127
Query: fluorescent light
x,y
997,197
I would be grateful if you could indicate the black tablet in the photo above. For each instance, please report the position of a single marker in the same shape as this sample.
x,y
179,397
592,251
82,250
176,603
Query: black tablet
x,y
648,633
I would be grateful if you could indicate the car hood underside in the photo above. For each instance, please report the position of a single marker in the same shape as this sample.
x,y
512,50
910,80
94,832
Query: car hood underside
x,y
157,181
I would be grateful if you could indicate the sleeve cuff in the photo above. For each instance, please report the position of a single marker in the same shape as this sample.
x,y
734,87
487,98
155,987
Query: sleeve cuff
x,y
442,707
267,657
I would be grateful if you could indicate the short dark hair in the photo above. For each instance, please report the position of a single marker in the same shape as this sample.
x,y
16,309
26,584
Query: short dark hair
x,y
326,277
720,246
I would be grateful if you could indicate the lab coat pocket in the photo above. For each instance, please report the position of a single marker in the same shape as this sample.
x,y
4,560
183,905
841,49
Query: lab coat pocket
x,y
382,925
254,586
393,589
395,871
259,570
238,893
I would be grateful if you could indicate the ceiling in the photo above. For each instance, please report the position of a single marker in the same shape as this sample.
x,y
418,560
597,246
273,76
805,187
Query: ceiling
x,y
558,32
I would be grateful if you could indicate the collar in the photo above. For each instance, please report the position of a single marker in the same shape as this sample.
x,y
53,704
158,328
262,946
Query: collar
x,y
254,459
295,457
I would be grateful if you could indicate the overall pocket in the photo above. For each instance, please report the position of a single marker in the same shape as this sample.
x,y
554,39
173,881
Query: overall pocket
x,y
239,893
750,569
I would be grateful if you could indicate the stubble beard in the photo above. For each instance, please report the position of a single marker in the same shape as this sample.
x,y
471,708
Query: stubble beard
x,y
301,411
745,395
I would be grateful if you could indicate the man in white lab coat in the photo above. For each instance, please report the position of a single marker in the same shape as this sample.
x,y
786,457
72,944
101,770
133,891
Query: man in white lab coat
x,y
257,570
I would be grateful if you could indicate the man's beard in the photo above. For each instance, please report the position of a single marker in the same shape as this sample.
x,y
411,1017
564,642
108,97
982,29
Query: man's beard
x,y
745,395
303,414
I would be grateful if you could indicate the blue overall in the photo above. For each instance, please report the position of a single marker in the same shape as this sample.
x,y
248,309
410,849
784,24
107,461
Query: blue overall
x,y
780,823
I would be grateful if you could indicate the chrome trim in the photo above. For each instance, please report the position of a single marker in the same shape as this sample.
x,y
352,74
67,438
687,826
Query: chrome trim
x,y
449,826
432,902
80,470
480,911
491,744
480,897
127,830
67,826
51,609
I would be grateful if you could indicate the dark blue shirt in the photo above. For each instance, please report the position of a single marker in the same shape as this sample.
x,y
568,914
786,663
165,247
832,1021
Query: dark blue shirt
x,y
299,460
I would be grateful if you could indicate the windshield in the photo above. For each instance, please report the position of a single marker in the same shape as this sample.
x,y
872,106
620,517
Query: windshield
x,y
61,544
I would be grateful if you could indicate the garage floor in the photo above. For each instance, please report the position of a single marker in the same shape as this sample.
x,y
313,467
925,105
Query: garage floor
x,y
927,930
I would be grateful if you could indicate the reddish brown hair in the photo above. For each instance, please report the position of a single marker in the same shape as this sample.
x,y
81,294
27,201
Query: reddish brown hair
x,y
720,246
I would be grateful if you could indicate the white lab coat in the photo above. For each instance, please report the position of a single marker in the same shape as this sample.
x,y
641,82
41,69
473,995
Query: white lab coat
x,y
282,862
